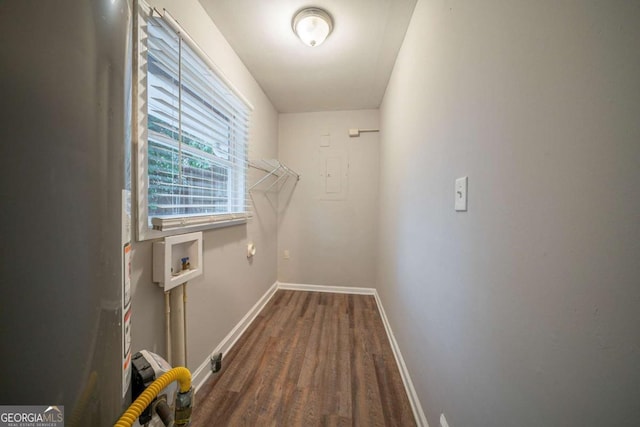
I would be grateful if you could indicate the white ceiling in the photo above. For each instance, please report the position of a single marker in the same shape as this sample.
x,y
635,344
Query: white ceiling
x,y
349,71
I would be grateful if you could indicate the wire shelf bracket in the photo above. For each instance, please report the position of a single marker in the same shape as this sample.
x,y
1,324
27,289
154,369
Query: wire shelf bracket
x,y
273,168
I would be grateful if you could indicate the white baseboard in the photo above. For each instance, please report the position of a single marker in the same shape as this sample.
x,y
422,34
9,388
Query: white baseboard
x,y
326,288
416,407
201,375
203,372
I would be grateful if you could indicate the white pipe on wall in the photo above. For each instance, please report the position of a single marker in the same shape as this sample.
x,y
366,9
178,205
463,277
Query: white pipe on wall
x,y
184,310
167,319
178,342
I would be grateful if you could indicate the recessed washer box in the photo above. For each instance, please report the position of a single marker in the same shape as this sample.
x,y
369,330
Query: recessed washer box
x,y
167,259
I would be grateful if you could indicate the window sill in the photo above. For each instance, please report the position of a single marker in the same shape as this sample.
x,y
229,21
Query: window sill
x,y
182,228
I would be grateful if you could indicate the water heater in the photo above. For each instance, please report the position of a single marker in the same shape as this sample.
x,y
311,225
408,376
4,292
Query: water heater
x,y
65,143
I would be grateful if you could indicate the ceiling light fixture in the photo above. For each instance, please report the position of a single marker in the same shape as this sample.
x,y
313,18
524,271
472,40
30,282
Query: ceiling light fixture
x,y
312,25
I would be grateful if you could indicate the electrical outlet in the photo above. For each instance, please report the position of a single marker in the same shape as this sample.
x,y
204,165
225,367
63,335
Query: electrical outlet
x,y
286,254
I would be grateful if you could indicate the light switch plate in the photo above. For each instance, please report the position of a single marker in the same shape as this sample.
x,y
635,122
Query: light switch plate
x,y
461,194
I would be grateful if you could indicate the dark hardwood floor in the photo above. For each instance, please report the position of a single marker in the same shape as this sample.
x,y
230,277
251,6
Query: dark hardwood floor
x,y
308,359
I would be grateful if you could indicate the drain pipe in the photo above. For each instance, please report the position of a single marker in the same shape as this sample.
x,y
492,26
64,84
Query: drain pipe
x,y
167,321
178,327
184,310
163,410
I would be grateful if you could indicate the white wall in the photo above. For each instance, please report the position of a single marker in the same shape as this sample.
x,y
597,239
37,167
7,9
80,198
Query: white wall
x,y
331,237
523,311
230,285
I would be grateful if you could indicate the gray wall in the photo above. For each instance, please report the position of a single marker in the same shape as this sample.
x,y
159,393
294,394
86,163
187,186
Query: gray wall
x,y
525,310
331,236
231,284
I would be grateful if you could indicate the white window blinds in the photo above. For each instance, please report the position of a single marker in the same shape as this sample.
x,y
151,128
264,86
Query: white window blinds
x,y
196,135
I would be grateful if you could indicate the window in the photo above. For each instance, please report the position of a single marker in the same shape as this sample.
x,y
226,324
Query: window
x,y
192,134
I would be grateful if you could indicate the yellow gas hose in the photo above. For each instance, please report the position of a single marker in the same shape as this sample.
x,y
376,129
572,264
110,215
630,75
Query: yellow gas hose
x,y
181,374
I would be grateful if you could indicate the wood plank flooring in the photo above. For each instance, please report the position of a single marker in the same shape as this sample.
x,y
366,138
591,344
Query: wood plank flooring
x,y
308,359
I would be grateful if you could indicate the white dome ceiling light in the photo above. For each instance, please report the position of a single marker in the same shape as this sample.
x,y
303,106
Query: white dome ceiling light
x,y
312,25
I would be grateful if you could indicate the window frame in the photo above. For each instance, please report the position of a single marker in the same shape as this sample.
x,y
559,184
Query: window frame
x,y
187,223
